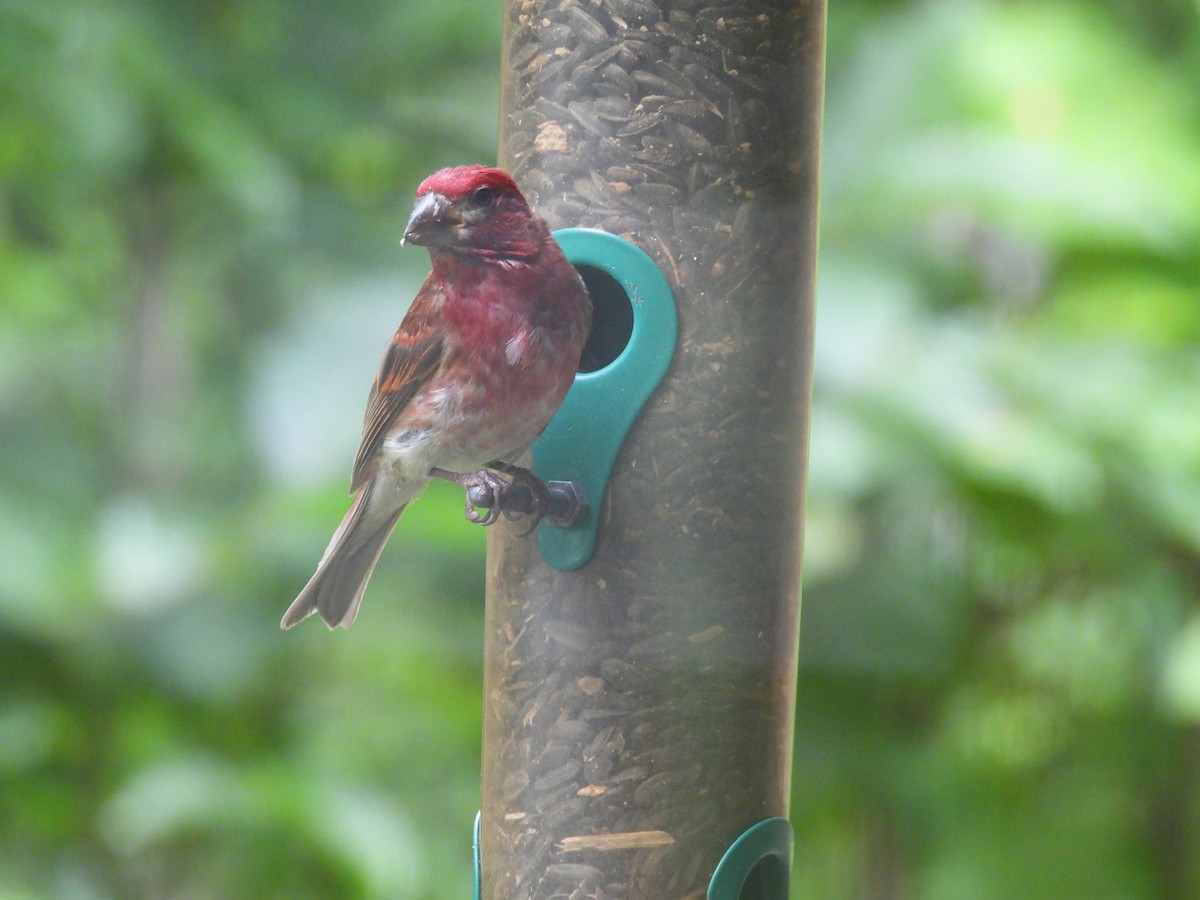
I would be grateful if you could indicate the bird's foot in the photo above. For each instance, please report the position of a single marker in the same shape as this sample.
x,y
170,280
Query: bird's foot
x,y
486,491
558,503
532,495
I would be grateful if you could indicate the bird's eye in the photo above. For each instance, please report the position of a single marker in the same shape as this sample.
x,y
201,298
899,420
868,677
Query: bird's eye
x,y
483,197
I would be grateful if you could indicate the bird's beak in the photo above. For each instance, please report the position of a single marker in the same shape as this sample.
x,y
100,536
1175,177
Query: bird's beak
x,y
434,222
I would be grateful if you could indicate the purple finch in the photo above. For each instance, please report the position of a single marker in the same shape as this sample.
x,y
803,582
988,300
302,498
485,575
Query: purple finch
x,y
480,363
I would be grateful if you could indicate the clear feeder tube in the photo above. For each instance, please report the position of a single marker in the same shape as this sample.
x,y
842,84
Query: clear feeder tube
x,y
638,711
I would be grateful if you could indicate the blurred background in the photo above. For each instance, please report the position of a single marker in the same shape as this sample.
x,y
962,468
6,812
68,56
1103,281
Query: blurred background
x,y
200,204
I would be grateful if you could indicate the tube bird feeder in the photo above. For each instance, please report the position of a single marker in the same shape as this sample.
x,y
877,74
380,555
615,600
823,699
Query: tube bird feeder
x,y
640,673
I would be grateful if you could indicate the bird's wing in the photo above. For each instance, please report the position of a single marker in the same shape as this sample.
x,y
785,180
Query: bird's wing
x,y
412,358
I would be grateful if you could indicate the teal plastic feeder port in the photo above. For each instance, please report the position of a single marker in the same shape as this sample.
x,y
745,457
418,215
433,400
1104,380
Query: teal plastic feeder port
x,y
632,341
757,865
477,854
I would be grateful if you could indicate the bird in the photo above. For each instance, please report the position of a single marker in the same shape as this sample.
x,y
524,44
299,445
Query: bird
x,y
481,361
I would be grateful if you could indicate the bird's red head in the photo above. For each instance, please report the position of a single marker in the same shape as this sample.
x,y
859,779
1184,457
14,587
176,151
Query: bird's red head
x,y
475,210
459,182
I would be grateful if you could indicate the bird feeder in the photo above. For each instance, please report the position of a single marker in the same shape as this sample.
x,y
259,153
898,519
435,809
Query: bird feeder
x,y
640,665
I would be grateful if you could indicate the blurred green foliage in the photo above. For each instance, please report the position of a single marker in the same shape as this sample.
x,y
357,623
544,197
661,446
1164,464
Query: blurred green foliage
x,y
199,207
1001,669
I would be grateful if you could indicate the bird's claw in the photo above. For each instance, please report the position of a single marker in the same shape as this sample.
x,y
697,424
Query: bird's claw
x,y
486,491
539,496
558,503
490,496
496,497
527,495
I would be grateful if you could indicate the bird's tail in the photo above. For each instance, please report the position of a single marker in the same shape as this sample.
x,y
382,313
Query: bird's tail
x,y
336,589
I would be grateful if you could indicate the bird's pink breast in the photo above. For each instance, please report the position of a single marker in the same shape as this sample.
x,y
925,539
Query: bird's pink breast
x,y
513,347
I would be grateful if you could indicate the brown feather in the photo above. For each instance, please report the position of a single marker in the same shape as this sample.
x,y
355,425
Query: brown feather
x,y
335,590
412,358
